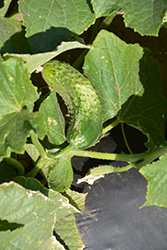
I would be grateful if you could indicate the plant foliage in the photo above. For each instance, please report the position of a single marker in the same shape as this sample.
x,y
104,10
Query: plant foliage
x,y
116,80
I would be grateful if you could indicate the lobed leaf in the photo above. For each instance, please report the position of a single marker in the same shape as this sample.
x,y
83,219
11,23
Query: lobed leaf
x,y
128,84
147,113
35,214
65,220
112,67
65,226
8,27
48,23
17,96
144,16
156,174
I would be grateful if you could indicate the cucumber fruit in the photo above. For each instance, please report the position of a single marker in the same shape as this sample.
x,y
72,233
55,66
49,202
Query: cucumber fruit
x,y
82,102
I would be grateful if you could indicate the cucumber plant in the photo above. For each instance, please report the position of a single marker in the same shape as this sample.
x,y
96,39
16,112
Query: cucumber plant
x,y
119,83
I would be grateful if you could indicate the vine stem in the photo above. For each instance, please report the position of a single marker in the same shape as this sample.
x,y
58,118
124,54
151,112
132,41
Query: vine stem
x,y
125,139
79,60
109,156
107,21
71,151
151,157
144,158
15,164
110,126
37,144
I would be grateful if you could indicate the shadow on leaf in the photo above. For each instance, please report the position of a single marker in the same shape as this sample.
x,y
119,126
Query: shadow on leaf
x,y
5,225
38,43
147,113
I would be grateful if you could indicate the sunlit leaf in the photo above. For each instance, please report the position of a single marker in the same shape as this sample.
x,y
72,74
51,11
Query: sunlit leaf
x,y
156,174
35,213
65,226
17,96
128,84
144,16
48,23
54,119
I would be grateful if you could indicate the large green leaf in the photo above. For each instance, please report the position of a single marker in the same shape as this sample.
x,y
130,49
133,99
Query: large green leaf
x,y
147,113
156,174
33,62
144,16
128,85
69,234
65,226
34,213
17,96
54,119
50,22
112,67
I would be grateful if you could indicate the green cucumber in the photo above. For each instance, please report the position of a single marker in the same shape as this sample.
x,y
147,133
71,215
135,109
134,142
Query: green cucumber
x,y
82,102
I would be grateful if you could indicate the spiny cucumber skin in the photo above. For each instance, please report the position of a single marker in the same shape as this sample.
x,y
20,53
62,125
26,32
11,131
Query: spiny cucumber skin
x,y
82,102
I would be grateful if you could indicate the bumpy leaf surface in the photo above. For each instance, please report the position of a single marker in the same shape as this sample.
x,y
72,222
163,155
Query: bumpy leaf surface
x,y
156,174
50,22
128,85
144,16
17,96
34,213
